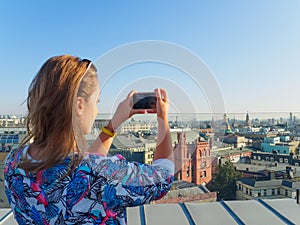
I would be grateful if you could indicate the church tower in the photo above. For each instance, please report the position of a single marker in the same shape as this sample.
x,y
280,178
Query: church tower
x,y
248,123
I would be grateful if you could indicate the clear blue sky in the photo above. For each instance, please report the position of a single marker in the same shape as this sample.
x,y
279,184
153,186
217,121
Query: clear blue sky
x,y
251,47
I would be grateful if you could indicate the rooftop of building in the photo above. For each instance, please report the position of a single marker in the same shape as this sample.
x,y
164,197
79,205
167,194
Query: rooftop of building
x,y
182,191
279,211
267,211
267,166
190,136
261,184
181,184
232,151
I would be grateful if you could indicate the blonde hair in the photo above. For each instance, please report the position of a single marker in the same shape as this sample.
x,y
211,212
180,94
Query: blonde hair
x,y
50,105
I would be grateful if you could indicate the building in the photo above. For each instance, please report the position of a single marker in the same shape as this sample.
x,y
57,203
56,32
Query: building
x,y
182,191
99,123
279,145
12,121
142,154
11,137
137,126
134,148
274,158
260,179
192,160
235,140
8,142
235,155
248,189
248,122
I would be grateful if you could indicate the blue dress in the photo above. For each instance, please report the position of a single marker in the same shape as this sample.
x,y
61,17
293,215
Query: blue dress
x,y
97,192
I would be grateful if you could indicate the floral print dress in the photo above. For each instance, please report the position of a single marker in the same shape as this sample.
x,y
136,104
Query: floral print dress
x,y
97,192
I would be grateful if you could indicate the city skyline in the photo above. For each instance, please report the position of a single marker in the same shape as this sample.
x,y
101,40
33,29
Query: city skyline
x,y
250,49
257,118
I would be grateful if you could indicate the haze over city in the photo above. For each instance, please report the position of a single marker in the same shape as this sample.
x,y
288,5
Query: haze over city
x,y
249,48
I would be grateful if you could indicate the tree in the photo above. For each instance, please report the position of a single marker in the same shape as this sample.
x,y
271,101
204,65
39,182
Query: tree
x,y
225,182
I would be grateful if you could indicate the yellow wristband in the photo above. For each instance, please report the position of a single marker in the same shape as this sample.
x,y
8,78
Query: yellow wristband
x,y
108,132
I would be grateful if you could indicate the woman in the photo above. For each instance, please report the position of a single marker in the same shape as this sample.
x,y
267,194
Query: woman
x,y
52,179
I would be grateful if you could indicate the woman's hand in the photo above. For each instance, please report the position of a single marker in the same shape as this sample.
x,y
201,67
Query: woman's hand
x,y
162,104
124,111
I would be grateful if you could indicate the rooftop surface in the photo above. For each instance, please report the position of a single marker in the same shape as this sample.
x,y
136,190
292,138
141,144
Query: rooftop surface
x,y
278,211
252,212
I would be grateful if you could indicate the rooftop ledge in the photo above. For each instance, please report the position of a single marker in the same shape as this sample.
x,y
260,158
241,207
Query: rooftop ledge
x,y
261,211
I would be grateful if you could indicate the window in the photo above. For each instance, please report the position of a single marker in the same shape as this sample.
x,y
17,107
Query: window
x,y
188,171
278,191
259,193
265,192
286,192
254,157
193,172
280,160
273,191
203,174
203,164
286,160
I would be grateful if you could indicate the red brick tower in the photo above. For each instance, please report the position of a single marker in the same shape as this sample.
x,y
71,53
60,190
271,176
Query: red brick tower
x,y
193,160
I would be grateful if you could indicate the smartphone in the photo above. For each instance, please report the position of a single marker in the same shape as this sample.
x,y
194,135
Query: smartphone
x,y
144,100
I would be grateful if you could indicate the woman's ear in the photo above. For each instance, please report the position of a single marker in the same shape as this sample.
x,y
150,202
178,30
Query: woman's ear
x,y
79,106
